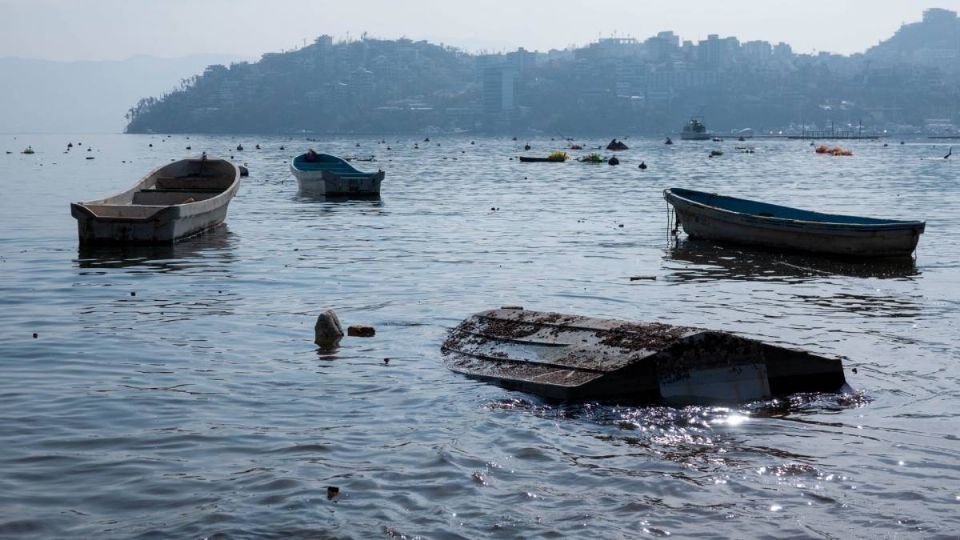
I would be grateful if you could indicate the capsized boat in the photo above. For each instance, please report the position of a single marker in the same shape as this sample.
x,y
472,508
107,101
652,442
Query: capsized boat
x,y
329,175
571,357
170,203
742,221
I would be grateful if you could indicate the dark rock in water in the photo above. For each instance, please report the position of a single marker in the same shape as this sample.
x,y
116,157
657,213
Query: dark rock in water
x,y
258,147
327,332
239,148
613,161
243,170
361,330
617,145
642,165
332,492
573,357
526,147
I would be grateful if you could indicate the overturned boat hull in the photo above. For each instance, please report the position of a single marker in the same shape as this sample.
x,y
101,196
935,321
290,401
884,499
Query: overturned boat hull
x,y
570,357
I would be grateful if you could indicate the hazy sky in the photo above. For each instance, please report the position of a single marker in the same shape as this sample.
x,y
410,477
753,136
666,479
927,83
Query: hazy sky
x,y
117,29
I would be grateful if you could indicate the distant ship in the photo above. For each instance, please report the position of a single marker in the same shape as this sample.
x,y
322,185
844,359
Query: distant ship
x,y
695,131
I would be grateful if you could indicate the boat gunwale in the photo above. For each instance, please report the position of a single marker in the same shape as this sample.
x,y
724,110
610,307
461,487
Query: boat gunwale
x,y
779,222
340,162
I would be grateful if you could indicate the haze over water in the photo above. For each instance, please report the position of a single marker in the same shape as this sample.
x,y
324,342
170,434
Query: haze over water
x,y
176,392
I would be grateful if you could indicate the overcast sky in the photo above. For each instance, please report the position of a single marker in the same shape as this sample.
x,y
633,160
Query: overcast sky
x,y
118,29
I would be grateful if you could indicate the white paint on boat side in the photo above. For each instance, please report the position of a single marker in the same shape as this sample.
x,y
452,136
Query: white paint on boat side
x,y
735,384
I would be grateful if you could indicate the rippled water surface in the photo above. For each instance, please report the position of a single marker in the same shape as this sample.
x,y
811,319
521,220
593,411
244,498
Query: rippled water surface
x,y
176,392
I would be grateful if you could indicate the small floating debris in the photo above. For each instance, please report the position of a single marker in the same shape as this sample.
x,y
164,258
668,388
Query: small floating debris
x,y
526,146
555,157
592,158
361,330
835,151
638,278
332,492
716,153
571,357
28,150
89,157
257,147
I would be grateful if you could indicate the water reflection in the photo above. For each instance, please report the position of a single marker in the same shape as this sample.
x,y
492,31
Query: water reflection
x,y
216,243
703,260
307,195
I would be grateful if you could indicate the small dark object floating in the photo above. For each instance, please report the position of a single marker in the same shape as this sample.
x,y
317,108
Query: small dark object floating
x,y
526,147
613,161
239,148
570,357
642,165
361,330
243,170
525,159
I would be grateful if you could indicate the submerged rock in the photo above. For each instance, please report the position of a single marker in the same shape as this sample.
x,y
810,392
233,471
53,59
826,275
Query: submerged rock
x,y
327,331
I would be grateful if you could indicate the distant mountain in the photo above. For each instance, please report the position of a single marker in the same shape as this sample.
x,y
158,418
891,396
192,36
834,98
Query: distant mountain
x,y
612,87
42,96
360,86
934,41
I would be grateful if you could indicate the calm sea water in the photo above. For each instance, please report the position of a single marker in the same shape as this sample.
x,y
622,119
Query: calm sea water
x,y
176,392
